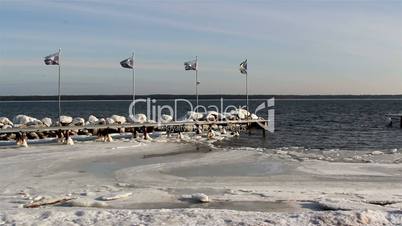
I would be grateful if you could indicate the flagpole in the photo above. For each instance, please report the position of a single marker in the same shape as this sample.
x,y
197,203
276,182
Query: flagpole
x,y
247,94
196,81
133,81
59,93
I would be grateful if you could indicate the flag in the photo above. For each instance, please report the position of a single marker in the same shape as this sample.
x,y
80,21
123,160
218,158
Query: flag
x,y
127,63
190,65
52,59
243,67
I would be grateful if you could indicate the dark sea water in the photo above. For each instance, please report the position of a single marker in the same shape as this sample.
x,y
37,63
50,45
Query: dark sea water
x,y
350,124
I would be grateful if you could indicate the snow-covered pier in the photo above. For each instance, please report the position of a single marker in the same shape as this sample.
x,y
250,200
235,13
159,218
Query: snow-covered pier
x,y
25,127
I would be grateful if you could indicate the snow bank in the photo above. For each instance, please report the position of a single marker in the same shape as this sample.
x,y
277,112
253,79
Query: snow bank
x,y
78,216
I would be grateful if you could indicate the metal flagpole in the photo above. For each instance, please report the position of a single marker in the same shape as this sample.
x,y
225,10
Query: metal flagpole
x,y
59,94
196,81
133,85
247,94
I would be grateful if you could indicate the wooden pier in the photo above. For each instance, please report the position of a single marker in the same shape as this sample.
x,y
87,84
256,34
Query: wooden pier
x,y
134,128
133,125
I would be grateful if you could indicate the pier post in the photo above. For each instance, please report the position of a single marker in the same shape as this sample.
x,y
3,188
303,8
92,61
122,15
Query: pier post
x,y
197,130
18,138
400,122
21,139
60,136
145,133
134,133
264,133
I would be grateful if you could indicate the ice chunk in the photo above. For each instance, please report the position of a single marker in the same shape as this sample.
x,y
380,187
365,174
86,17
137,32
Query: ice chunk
x,y
254,117
200,197
25,120
93,120
140,118
191,115
47,121
115,196
109,121
66,119
78,121
166,118
5,121
85,202
118,119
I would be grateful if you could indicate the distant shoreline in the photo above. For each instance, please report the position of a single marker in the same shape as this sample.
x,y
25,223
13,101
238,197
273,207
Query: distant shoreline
x,y
206,97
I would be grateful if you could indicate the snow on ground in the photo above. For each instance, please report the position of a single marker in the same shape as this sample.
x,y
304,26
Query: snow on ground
x,y
80,216
135,182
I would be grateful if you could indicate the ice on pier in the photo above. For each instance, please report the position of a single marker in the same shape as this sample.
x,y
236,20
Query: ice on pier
x,y
93,120
240,113
226,116
5,121
78,121
6,126
109,121
26,120
191,115
254,117
140,118
118,119
66,119
213,116
101,121
47,121
166,118
216,116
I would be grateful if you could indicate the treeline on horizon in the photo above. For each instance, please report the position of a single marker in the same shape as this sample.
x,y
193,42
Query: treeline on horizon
x,y
174,96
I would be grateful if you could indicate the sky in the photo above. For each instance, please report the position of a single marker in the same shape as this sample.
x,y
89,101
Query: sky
x,y
292,47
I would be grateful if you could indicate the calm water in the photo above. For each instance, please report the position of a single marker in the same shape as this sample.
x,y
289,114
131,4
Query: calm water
x,y
323,124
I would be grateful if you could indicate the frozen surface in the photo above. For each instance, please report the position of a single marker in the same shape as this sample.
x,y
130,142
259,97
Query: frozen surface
x,y
129,182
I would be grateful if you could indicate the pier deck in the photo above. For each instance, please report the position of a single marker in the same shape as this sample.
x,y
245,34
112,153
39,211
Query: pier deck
x,y
131,125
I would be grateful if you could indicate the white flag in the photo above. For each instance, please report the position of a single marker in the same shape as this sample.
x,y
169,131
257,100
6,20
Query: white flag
x,y
243,67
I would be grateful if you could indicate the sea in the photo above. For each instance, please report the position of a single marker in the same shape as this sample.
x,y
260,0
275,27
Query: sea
x,y
351,123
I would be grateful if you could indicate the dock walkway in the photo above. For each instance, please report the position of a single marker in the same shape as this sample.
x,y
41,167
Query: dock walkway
x,y
159,126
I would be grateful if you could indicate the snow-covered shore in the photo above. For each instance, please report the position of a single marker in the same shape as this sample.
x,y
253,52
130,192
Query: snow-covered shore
x,y
80,216
128,182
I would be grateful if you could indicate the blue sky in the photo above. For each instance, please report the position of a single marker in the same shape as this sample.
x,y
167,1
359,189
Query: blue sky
x,y
293,47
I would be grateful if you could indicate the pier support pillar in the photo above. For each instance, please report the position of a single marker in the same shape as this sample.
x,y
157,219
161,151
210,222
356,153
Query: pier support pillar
x,y
135,133
197,129
21,139
400,122
145,133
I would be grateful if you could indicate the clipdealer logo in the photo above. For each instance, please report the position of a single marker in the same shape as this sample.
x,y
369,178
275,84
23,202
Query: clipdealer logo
x,y
155,111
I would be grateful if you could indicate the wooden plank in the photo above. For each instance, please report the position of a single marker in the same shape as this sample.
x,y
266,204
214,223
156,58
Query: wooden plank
x,y
126,125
